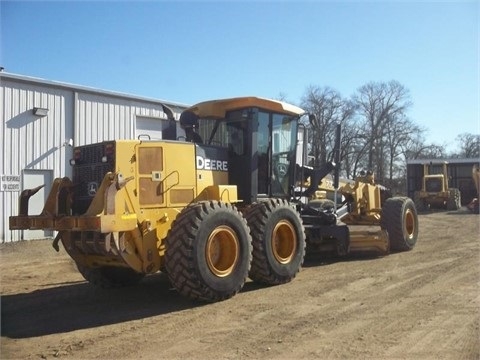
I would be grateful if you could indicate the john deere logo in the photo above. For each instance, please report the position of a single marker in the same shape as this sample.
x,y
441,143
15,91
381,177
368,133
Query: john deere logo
x,y
92,188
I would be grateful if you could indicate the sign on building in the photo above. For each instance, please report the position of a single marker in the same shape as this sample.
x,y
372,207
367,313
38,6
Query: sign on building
x,y
10,183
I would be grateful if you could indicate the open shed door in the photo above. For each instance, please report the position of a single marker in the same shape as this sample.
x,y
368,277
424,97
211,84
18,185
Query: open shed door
x,y
32,179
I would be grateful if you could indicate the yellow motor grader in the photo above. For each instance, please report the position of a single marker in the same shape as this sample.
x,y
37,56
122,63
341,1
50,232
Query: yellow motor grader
x,y
210,208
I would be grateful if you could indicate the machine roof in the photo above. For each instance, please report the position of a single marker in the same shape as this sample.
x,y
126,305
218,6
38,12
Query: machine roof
x,y
218,108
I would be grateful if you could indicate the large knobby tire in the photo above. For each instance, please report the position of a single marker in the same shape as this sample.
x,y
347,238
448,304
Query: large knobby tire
x,y
453,202
278,241
399,217
208,251
108,277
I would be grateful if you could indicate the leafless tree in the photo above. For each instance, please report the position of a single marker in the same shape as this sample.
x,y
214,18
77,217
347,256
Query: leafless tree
x,y
330,109
380,105
469,145
353,148
399,130
417,148
377,133
283,97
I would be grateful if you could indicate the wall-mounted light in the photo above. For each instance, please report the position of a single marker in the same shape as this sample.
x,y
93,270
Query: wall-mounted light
x,y
68,142
40,111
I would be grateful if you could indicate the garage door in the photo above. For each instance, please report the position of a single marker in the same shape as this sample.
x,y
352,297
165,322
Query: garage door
x,y
151,127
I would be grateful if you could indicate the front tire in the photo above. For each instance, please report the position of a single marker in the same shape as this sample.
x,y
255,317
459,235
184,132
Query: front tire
x,y
208,251
399,217
278,241
453,202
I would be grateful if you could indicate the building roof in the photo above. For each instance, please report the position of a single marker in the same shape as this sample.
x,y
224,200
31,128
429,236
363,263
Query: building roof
x,y
443,160
67,86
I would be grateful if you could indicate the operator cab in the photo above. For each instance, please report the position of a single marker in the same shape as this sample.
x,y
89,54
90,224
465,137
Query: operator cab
x,y
259,139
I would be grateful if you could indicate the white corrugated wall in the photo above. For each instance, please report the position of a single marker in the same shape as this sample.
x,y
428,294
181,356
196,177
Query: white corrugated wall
x,y
37,143
29,141
101,118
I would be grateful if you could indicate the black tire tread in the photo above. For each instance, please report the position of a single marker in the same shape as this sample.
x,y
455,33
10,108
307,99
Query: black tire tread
x,y
257,216
453,202
179,259
392,217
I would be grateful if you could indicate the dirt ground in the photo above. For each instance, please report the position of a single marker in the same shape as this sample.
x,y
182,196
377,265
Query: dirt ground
x,y
422,304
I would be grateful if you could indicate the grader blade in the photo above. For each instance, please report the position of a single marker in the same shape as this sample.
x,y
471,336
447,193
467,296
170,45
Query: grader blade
x,y
369,240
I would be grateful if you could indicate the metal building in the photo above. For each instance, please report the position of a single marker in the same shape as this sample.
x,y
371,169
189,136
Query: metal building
x,y
41,122
459,173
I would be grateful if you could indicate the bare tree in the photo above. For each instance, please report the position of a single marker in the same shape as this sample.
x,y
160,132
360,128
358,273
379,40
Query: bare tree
x,y
353,148
379,104
330,109
417,148
399,130
469,145
283,97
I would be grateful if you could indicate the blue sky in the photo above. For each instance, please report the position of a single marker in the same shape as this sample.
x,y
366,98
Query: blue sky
x,y
193,51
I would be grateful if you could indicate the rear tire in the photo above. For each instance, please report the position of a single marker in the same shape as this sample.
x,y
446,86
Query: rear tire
x,y
109,277
453,202
399,217
208,251
278,241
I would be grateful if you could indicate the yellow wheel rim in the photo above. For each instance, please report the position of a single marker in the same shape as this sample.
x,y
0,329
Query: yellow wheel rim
x,y
222,251
284,242
409,223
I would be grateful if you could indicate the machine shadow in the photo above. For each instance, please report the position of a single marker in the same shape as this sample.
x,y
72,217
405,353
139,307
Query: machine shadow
x,y
322,259
79,305
66,307
462,212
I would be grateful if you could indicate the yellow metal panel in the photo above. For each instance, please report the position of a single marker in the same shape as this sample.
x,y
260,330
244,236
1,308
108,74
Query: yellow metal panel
x,y
150,159
150,162
225,193
125,157
113,223
206,178
162,225
372,193
166,173
179,171
181,196
150,192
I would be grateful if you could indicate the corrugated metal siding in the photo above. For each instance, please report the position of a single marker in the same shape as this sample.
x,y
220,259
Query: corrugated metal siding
x,y
100,118
32,142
